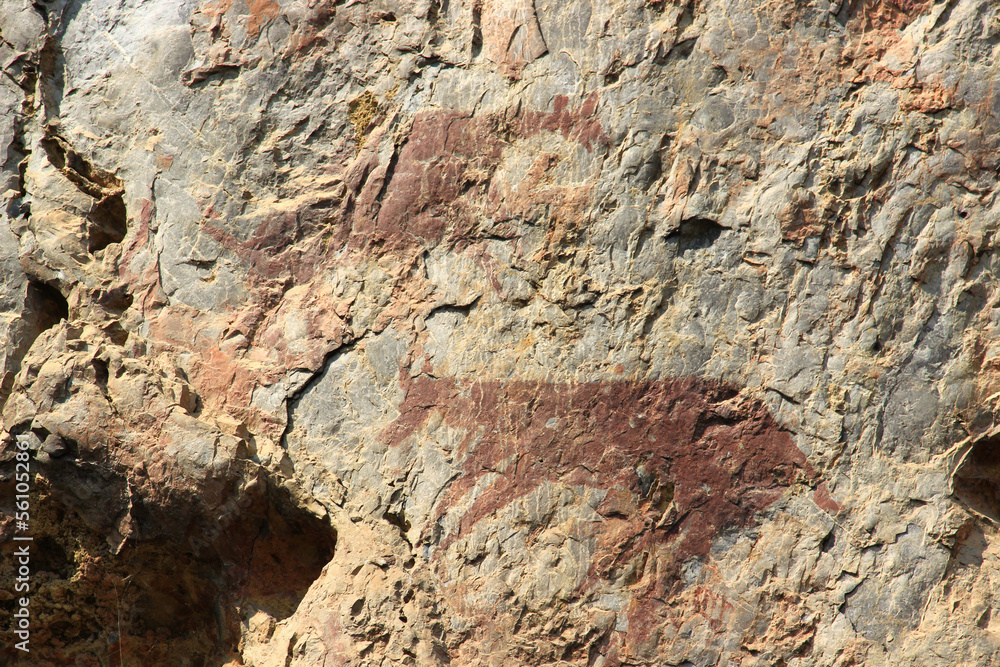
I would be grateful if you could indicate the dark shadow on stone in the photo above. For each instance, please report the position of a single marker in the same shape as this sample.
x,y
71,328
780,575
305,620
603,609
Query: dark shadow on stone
x,y
976,482
182,578
46,306
107,223
698,233
289,553
88,177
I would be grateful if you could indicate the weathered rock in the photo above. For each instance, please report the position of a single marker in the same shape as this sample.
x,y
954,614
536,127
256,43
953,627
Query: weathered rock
x,y
598,332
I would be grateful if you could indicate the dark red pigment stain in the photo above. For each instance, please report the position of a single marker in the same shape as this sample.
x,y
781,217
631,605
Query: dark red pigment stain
x,y
435,185
432,183
681,459
285,247
869,15
434,189
573,123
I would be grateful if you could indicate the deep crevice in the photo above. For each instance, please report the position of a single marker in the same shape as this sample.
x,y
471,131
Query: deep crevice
x,y
292,402
101,373
828,542
107,223
477,29
397,519
976,482
457,309
681,51
45,306
91,179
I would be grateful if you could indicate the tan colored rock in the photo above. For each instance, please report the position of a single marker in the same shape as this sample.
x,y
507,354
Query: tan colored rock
x,y
486,333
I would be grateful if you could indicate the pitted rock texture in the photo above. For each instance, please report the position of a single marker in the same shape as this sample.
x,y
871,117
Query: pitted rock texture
x,y
493,332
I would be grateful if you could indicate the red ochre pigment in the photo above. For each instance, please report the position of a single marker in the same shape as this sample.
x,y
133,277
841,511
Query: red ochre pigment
x,y
681,459
432,190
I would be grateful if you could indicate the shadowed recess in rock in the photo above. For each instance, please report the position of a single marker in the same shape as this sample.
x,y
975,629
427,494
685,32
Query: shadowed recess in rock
x,y
44,307
145,605
977,479
107,223
289,551
182,581
698,233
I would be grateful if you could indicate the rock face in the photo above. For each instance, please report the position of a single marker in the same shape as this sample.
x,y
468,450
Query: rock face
x,y
496,332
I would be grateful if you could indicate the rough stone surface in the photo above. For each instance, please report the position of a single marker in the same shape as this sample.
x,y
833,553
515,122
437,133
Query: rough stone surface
x,y
496,332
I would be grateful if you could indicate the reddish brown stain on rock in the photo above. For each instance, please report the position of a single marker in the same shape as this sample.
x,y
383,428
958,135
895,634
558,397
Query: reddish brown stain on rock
x,y
884,15
429,186
262,12
822,498
681,459
876,26
573,123
428,192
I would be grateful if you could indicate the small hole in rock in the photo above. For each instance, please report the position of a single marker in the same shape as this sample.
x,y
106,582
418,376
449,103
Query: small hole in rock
x,y
116,300
116,333
698,233
107,223
977,480
46,304
51,557
101,373
828,542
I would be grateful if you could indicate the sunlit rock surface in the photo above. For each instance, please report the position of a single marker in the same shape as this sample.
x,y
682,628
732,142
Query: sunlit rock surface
x,y
502,332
